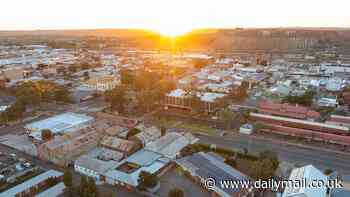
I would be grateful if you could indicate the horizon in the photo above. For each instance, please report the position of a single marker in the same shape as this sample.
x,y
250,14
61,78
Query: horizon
x,y
171,17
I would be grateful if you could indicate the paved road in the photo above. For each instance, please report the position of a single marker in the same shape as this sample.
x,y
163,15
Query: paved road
x,y
298,155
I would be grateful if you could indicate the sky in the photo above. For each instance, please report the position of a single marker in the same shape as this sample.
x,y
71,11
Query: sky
x,y
171,16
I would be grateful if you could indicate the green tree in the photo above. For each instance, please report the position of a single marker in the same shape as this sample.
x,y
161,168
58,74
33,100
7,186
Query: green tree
x,y
46,134
147,180
117,99
92,190
263,169
68,178
163,131
272,156
83,186
227,116
176,192
132,132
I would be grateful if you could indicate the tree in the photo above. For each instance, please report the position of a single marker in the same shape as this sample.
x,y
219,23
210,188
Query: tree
x,y
117,99
46,134
147,180
176,192
14,112
132,132
272,156
72,69
231,161
227,116
68,178
263,169
86,75
163,131
328,171
61,94
83,186
92,188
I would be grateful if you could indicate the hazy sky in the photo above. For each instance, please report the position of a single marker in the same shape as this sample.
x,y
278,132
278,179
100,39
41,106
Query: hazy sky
x,y
171,15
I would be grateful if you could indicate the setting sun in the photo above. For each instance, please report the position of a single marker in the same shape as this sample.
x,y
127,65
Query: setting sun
x,y
172,31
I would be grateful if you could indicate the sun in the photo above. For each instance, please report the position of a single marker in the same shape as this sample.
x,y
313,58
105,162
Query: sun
x,y
172,31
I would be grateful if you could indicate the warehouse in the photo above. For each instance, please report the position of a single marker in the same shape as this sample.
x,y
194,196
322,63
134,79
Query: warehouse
x,y
59,124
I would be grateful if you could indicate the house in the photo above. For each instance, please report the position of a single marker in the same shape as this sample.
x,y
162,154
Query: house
x,y
28,187
306,174
201,166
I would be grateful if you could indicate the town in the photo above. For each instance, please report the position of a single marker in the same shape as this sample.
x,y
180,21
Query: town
x,y
85,117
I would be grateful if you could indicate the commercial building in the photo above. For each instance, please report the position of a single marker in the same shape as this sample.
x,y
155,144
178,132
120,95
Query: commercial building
x,y
288,110
101,84
306,174
202,166
67,122
124,146
28,187
128,170
97,162
171,144
179,99
64,150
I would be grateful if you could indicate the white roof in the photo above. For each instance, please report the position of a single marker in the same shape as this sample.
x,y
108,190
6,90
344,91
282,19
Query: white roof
x,y
30,183
60,122
170,144
308,173
206,96
148,161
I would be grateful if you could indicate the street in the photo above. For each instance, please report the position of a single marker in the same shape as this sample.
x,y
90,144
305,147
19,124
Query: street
x,y
294,154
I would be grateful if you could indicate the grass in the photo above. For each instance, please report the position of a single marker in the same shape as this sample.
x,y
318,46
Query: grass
x,y
192,127
196,128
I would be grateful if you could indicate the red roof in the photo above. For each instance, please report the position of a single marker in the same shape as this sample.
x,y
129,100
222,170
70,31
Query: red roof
x,y
287,110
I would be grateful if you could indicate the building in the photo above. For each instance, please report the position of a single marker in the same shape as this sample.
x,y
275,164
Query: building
x,y
54,191
306,174
28,187
148,134
287,110
97,162
171,144
179,99
128,170
202,166
101,84
67,122
124,146
64,150
13,74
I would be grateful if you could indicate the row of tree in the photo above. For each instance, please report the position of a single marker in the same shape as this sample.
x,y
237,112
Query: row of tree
x,y
87,187
33,94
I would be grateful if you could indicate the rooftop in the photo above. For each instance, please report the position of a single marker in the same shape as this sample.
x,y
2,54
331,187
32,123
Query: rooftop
x,y
59,123
30,183
210,165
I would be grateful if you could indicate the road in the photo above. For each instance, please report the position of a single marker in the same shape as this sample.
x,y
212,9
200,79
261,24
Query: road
x,y
291,153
